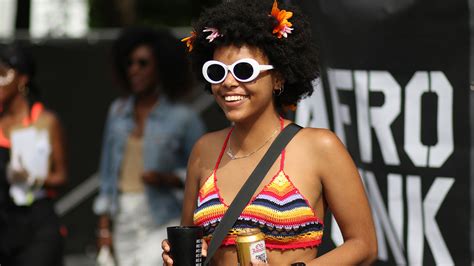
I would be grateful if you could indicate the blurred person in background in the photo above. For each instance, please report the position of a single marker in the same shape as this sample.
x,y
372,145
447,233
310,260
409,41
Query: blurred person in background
x,y
32,166
148,137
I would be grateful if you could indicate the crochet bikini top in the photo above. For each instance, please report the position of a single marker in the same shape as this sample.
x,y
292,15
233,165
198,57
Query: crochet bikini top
x,y
280,211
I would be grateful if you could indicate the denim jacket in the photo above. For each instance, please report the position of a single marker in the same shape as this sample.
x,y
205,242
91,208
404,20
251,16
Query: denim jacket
x,y
169,135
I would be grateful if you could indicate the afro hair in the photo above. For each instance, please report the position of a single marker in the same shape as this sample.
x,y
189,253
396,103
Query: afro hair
x,y
248,22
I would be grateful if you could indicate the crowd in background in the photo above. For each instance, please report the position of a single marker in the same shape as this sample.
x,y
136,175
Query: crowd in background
x,y
148,135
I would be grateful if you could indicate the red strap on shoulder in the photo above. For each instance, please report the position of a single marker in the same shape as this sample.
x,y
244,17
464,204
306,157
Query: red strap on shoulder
x,y
282,159
223,149
4,142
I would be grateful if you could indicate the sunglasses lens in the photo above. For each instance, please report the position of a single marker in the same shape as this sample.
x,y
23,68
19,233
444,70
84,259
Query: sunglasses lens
x,y
216,72
243,71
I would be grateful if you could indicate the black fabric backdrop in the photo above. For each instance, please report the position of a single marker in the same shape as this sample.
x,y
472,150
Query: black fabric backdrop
x,y
395,80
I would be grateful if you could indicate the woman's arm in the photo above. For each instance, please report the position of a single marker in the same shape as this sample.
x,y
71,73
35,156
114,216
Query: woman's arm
x,y
104,232
345,195
102,204
57,174
160,179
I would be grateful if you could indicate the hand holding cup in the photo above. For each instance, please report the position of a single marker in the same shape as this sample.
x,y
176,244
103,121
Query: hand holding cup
x,y
184,246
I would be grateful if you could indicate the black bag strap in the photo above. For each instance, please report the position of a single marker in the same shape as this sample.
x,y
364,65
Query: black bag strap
x,y
249,188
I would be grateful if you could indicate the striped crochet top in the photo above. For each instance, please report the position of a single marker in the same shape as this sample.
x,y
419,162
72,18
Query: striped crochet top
x,y
280,211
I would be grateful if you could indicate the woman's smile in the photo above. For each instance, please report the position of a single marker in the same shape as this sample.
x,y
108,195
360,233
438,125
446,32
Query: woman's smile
x,y
235,100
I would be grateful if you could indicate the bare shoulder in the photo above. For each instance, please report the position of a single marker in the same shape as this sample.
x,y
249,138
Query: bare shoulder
x,y
319,139
324,147
211,140
50,118
49,115
208,147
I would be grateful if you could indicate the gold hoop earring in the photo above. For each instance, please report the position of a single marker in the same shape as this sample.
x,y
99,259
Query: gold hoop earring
x,y
279,91
23,90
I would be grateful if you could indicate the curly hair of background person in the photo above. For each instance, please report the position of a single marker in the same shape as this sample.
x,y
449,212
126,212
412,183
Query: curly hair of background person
x,y
172,66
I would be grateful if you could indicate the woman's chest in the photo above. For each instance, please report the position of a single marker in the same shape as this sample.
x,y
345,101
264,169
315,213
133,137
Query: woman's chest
x,y
291,178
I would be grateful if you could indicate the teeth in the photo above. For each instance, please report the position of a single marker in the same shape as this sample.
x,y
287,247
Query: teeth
x,y
234,98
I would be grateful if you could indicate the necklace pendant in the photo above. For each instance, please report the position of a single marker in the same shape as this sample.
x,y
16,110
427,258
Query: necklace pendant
x,y
231,156
234,157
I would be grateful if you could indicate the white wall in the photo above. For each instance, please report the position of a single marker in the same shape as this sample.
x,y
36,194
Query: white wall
x,y
7,18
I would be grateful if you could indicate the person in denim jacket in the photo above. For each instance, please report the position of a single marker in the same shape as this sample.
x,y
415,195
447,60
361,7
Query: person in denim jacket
x,y
147,140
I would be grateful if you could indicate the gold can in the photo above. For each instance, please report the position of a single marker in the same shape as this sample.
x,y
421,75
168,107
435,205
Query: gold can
x,y
250,246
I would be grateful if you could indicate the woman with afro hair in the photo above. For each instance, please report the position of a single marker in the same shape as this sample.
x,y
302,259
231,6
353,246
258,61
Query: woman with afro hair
x,y
148,136
257,58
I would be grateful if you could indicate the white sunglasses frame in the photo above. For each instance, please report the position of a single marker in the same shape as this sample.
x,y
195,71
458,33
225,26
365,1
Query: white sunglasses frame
x,y
230,68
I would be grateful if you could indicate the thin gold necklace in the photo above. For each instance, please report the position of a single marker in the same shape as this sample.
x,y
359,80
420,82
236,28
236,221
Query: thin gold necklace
x,y
230,153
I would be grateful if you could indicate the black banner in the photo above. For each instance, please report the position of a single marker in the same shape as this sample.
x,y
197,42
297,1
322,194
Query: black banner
x,y
395,88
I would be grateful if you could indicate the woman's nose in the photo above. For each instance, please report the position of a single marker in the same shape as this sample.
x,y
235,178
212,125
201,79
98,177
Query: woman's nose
x,y
230,80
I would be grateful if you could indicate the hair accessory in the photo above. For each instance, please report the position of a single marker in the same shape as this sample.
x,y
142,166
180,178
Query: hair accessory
x,y
189,40
214,33
284,26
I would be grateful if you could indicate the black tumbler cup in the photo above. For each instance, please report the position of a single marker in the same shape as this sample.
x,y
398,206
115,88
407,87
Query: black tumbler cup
x,y
186,245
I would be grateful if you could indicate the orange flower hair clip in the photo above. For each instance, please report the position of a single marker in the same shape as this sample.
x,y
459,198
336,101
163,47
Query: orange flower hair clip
x,y
189,40
284,26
